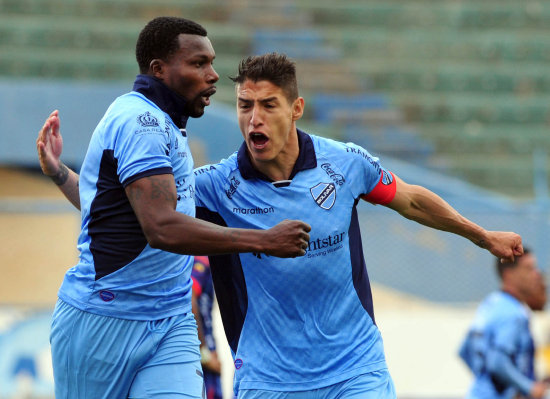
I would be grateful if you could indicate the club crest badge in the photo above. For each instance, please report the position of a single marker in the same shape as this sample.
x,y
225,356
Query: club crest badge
x,y
387,178
324,195
147,120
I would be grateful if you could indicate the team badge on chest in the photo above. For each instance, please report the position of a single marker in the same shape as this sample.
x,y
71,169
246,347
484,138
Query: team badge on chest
x,y
324,195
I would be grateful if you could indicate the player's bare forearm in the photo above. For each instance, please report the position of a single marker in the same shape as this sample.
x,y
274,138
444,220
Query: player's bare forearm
x,y
154,201
423,206
68,181
179,233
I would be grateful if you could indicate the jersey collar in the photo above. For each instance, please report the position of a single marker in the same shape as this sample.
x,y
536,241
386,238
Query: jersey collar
x,y
165,98
306,159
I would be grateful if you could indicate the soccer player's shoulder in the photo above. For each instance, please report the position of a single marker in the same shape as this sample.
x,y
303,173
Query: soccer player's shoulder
x,y
340,152
131,109
327,146
504,306
218,171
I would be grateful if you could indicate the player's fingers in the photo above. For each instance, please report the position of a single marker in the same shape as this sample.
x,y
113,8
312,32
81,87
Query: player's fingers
x,y
44,133
54,114
54,126
508,259
306,227
518,250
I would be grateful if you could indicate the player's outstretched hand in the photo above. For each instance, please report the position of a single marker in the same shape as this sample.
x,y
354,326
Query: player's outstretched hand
x,y
49,145
287,239
504,245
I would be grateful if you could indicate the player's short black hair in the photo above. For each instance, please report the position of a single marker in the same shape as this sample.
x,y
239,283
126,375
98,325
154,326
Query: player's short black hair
x,y
273,67
159,39
509,265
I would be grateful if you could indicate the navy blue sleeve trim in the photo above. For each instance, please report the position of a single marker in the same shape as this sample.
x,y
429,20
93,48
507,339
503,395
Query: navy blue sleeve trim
x,y
147,173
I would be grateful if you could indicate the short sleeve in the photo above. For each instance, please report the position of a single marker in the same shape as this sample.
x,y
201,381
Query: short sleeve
x,y
205,188
368,178
141,146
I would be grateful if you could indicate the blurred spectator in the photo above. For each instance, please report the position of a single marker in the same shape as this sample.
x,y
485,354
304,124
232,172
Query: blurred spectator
x,y
203,300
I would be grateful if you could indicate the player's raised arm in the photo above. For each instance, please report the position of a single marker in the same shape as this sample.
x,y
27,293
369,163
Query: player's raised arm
x,y
153,199
423,206
49,146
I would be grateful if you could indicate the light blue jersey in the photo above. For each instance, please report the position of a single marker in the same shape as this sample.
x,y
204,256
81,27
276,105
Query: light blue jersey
x,y
119,274
499,349
308,322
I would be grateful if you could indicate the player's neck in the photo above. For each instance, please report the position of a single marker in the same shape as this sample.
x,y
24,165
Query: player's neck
x,y
280,168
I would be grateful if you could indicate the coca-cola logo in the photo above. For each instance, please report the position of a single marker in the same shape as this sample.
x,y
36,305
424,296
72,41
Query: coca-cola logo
x,y
336,177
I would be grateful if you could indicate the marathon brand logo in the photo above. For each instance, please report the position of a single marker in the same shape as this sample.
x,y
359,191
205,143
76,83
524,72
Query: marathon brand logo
x,y
365,155
336,177
204,169
180,154
253,211
325,245
233,184
324,195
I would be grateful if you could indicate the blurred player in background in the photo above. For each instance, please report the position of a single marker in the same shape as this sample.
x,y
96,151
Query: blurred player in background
x,y
304,328
203,294
499,348
122,326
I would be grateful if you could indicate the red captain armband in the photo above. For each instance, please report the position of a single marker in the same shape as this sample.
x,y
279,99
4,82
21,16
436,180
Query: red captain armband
x,y
384,191
197,289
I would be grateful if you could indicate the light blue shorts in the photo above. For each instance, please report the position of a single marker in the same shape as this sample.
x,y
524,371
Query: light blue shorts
x,y
375,385
99,357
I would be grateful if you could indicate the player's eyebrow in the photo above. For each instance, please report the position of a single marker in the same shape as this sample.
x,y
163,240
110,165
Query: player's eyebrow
x,y
245,100
263,100
202,57
269,99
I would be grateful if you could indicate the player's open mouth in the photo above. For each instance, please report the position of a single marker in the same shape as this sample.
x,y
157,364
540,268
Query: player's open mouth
x,y
259,140
205,95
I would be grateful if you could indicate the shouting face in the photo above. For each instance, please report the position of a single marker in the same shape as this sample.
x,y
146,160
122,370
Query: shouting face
x,y
190,72
267,120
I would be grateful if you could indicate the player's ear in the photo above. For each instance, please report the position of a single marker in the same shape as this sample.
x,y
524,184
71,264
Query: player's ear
x,y
298,108
156,68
